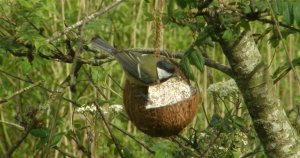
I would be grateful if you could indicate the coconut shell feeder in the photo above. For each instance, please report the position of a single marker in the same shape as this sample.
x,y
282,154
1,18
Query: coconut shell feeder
x,y
161,110
164,109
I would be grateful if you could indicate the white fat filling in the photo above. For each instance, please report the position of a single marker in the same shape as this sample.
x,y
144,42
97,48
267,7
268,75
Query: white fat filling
x,y
168,93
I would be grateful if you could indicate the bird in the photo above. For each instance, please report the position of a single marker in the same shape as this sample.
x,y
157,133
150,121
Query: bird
x,y
140,69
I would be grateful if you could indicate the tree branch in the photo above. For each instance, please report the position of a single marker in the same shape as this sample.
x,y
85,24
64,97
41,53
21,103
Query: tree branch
x,y
84,21
208,62
19,142
132,137
19,92
39,85
63,152
116,142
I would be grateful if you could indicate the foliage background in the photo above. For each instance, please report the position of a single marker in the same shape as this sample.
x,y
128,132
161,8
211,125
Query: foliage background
x,y
222,126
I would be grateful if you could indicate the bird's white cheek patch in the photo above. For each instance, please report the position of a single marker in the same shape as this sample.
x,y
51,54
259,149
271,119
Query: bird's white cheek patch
x,y
162,74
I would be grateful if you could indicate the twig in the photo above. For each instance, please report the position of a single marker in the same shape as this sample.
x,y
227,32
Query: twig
x,y
109,131
53,124
263,20
205,113
286,50
132,137
210,144
80,146
96,61
279,24
41,86
185,147
19,92
63,152
19,142
85,20
94,85
12,124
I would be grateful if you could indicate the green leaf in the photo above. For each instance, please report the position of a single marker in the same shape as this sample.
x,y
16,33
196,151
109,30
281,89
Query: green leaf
x,y
7,43
245,24
260,5
196,59
246,9
180,14
56,138
164,149
288,16
26,4
41,143
26,66
127,153
181,3
274,7
274,41
286,67
215,120
186,66
296,10
228,35
279,5
40,132
204,37
237,153
239,122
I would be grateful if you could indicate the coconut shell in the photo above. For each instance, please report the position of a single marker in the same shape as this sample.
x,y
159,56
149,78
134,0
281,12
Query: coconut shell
x,y
159,122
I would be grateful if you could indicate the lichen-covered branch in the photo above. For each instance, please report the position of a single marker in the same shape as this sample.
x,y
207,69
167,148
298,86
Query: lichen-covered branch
x,y
273,128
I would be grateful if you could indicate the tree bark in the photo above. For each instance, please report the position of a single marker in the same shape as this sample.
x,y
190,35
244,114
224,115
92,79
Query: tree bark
x,y
273,128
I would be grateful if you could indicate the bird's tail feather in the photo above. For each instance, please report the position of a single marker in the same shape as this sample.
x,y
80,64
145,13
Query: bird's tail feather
x,y
97,42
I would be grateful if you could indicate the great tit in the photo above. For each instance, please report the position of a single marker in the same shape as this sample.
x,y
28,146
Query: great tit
x,y
141,69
